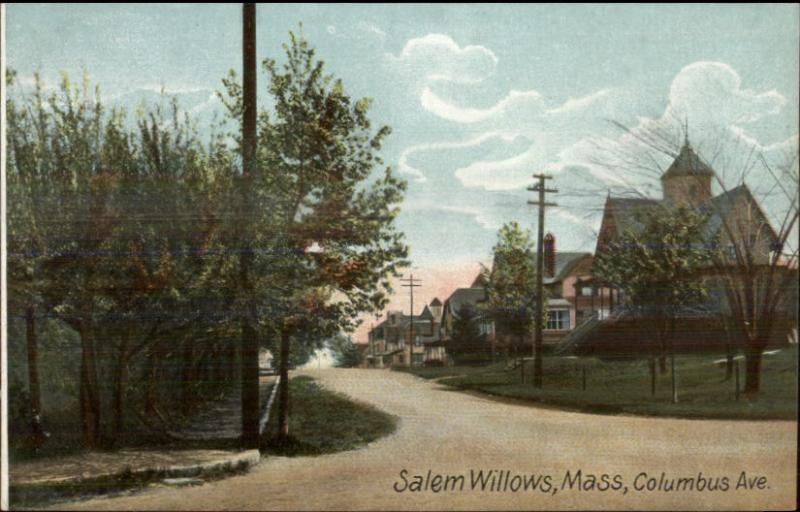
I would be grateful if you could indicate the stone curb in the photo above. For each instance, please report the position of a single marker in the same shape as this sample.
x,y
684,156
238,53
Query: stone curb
x,y
236,461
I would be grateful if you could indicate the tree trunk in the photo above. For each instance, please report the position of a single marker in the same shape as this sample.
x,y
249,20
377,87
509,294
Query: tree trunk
x,y
662,355
37,433
674,376
652,376
283,389
89,396
120,389
219,367
673,321
728,361
187,377
152,374
249,381
752,384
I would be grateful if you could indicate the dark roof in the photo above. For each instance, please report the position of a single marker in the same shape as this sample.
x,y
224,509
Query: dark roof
x,y
687,164
565,262
461,296
436,302
479,281
624,210
426,314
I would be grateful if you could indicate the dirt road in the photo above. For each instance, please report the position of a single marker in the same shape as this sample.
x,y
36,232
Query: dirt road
x,y
458,435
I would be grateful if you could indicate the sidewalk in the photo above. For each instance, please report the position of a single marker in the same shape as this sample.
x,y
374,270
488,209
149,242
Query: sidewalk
x,y
220,421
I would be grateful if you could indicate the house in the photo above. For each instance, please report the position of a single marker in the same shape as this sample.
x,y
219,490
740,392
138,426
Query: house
x,y
390,342
454,306
687,182
568,302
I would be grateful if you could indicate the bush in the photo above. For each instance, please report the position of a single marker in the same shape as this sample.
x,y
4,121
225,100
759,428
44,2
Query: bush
x,y
431,363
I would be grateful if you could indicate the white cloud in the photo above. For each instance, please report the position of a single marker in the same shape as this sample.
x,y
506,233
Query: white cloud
x,y
711,93
508,174
708,94
515,101
577,104
437,57
407,168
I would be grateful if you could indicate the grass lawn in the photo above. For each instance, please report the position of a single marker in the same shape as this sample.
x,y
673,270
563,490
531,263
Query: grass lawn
x,y
437,372
624,386
321,421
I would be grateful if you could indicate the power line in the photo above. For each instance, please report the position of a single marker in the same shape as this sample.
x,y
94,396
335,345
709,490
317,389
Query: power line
x,y
542,203
411,283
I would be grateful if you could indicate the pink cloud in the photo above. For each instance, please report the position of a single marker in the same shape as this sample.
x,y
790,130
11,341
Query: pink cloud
x,y
437,281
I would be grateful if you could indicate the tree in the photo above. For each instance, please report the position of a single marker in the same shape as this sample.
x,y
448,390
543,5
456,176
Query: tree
x,y
325,226
58,159
112,229
511,285
345,352
657,266
466,338
756,257
25,239
756,267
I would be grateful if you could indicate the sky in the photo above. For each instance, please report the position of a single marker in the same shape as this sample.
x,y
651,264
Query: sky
x,y
479,97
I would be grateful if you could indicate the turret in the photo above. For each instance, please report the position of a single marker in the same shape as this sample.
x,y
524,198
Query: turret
x,y
687,182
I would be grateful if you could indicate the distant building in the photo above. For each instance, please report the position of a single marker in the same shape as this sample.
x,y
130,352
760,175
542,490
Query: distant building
x,y
567,303
390,341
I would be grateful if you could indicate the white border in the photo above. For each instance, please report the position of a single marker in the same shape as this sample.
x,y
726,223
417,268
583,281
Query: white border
x,y
3,283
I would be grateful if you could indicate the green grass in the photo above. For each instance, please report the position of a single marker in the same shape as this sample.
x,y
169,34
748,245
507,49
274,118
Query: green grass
x,y
321,422
438,372
614,387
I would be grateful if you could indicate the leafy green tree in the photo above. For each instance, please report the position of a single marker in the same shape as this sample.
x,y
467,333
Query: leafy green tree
x,y
326,232
466,340
59,166
345,352
511,285
113,231
657,268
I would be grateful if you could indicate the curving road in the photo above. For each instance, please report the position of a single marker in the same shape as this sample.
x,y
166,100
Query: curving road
x,y
452,433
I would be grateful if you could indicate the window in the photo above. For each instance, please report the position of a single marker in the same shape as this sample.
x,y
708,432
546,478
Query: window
x,y
558,319
586,291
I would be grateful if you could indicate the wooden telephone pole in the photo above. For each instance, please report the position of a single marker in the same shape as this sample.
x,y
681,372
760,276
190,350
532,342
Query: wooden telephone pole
x,y
411,283
249,346
537,339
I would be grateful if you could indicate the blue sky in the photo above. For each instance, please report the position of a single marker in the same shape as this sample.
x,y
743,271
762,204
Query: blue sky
x,y
479,97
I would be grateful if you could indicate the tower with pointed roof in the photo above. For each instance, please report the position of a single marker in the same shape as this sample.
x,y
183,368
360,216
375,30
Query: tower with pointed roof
x,y
687,181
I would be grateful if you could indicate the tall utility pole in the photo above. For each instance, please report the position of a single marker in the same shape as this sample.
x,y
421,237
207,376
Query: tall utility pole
x,y
249,355
537,339
411,283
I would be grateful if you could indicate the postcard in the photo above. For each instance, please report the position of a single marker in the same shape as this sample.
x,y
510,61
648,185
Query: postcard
x,y
399,256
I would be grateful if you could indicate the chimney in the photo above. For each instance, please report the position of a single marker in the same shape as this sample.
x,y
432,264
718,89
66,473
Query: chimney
x,y
549,255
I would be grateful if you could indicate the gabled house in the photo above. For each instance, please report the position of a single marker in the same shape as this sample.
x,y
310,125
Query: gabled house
x,y
687,182
465,297
390,342
567,303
